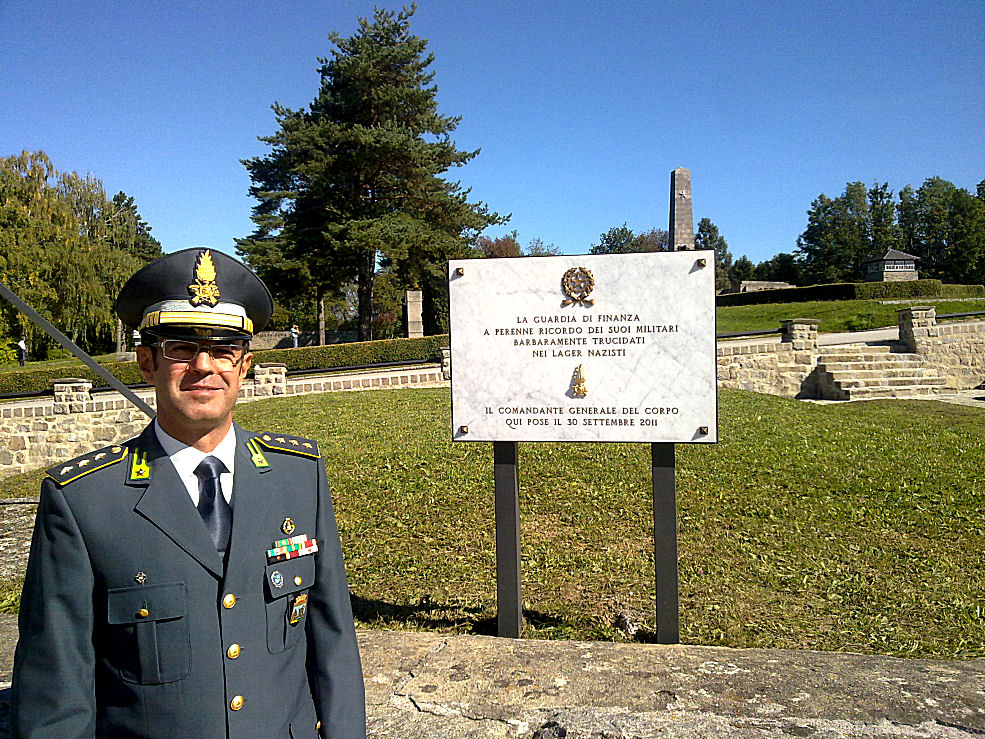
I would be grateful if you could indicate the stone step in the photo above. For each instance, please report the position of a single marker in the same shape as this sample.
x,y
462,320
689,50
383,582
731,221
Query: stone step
x,y
906,391
891,382
863,363
849,374
875,349
847,357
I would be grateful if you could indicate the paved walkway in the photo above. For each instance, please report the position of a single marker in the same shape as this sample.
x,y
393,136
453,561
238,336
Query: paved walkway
x,y
433,686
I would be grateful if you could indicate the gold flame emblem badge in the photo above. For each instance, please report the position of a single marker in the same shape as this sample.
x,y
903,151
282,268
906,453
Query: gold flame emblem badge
x,y
577,284
578,386
204,289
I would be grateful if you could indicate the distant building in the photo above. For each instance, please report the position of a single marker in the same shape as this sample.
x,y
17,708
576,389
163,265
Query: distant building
x,y
754,286
893,266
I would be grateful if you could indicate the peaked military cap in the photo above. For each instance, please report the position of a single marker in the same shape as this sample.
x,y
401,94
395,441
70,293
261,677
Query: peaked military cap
x,y
195,293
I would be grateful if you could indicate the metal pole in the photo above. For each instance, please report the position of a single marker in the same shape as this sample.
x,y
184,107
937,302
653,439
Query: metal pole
x,y
665,542
75,349
509,609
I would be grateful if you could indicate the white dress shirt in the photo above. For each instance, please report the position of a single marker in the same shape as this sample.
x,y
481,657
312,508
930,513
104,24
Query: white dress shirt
x,y
186,458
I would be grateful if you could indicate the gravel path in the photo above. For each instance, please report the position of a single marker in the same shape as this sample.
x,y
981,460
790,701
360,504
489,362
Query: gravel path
x,y
16,525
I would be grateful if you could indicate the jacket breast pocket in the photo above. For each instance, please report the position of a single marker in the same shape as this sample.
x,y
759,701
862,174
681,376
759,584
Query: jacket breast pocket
x,y
286,592
149,641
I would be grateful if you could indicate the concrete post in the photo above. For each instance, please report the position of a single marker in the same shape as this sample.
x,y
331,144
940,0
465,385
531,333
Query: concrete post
x,y
801,333
415,321
71,395
445,363
270,378
918,328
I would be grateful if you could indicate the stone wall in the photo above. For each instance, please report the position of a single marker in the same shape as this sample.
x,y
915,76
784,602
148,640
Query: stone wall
x,y
957,349
788,367
777,368
39,433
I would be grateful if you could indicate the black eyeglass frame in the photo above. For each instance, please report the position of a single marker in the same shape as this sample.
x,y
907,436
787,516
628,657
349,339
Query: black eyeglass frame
x,y
208,348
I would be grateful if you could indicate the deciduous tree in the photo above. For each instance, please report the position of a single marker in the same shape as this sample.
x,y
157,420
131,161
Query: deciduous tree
x,y
65,248
622,240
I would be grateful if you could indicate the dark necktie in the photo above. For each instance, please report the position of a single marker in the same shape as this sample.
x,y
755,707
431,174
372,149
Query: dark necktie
x,y
212,506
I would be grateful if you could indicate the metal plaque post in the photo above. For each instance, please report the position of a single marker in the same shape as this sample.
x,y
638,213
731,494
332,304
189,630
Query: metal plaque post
x,y
665,542
509,609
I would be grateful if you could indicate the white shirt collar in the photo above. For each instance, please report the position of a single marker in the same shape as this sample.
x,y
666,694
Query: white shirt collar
x,y
186,458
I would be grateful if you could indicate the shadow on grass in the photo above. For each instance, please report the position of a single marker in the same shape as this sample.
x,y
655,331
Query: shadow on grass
x,y
430,615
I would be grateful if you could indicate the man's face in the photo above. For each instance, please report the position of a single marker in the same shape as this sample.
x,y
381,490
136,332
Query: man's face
x,y
195,397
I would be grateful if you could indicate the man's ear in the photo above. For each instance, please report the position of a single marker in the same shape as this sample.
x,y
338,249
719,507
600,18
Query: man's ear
x,y
245,364
147,361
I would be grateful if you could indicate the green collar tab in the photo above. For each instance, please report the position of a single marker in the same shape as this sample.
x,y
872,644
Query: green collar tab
x,y
139,469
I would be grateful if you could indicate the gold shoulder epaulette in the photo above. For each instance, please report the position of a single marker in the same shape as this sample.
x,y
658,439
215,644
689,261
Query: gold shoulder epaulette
x,y
291,444
66,472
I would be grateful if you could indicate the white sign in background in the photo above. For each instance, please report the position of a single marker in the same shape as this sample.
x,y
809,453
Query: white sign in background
x,y
631,360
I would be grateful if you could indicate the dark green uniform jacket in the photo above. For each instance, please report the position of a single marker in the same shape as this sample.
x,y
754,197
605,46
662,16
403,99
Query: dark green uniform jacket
x,y
131,626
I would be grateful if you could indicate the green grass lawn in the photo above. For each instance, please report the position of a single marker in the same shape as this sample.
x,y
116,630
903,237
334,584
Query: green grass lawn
x,y
853,527
833,315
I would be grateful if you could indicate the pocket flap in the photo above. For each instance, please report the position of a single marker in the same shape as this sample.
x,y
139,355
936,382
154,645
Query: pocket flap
x,y
290,575
147,603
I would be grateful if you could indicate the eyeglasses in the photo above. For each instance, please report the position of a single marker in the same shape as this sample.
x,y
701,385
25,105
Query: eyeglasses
x,y
224,356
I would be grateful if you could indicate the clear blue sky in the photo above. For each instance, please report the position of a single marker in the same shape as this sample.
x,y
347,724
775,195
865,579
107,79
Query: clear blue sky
x,y
581,109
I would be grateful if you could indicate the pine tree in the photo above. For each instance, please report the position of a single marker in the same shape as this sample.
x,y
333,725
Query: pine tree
x,y
355,179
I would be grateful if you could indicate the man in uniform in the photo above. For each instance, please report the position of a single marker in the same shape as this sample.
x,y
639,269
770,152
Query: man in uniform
x,y
189,582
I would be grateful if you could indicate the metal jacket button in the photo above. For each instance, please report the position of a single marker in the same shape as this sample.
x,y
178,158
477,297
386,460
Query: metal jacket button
x,y
233,651
237,702
229,600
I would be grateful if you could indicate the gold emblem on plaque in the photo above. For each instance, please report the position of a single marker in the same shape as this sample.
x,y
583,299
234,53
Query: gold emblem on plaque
x,y
288,526
204,289
577,284
578,388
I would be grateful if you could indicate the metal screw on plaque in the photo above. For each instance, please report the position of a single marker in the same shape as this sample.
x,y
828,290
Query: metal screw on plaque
x,y
703,430
463,429
702,263
459,271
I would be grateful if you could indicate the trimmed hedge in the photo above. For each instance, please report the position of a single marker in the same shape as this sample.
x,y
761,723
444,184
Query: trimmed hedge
x,y
356,353
831,291
854,291
909,289
963,291
305,358
33,380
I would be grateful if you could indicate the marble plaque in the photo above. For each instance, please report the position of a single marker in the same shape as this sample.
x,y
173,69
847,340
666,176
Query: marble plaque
x,y
616,347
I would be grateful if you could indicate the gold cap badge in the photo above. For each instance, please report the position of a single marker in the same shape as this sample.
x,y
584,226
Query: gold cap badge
x,y
204,289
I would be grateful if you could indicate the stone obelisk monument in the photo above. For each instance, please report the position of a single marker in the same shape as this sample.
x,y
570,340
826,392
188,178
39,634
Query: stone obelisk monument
x,y
681,230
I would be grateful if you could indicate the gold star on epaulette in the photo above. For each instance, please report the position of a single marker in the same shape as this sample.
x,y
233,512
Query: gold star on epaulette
x,y
87,464
291,444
